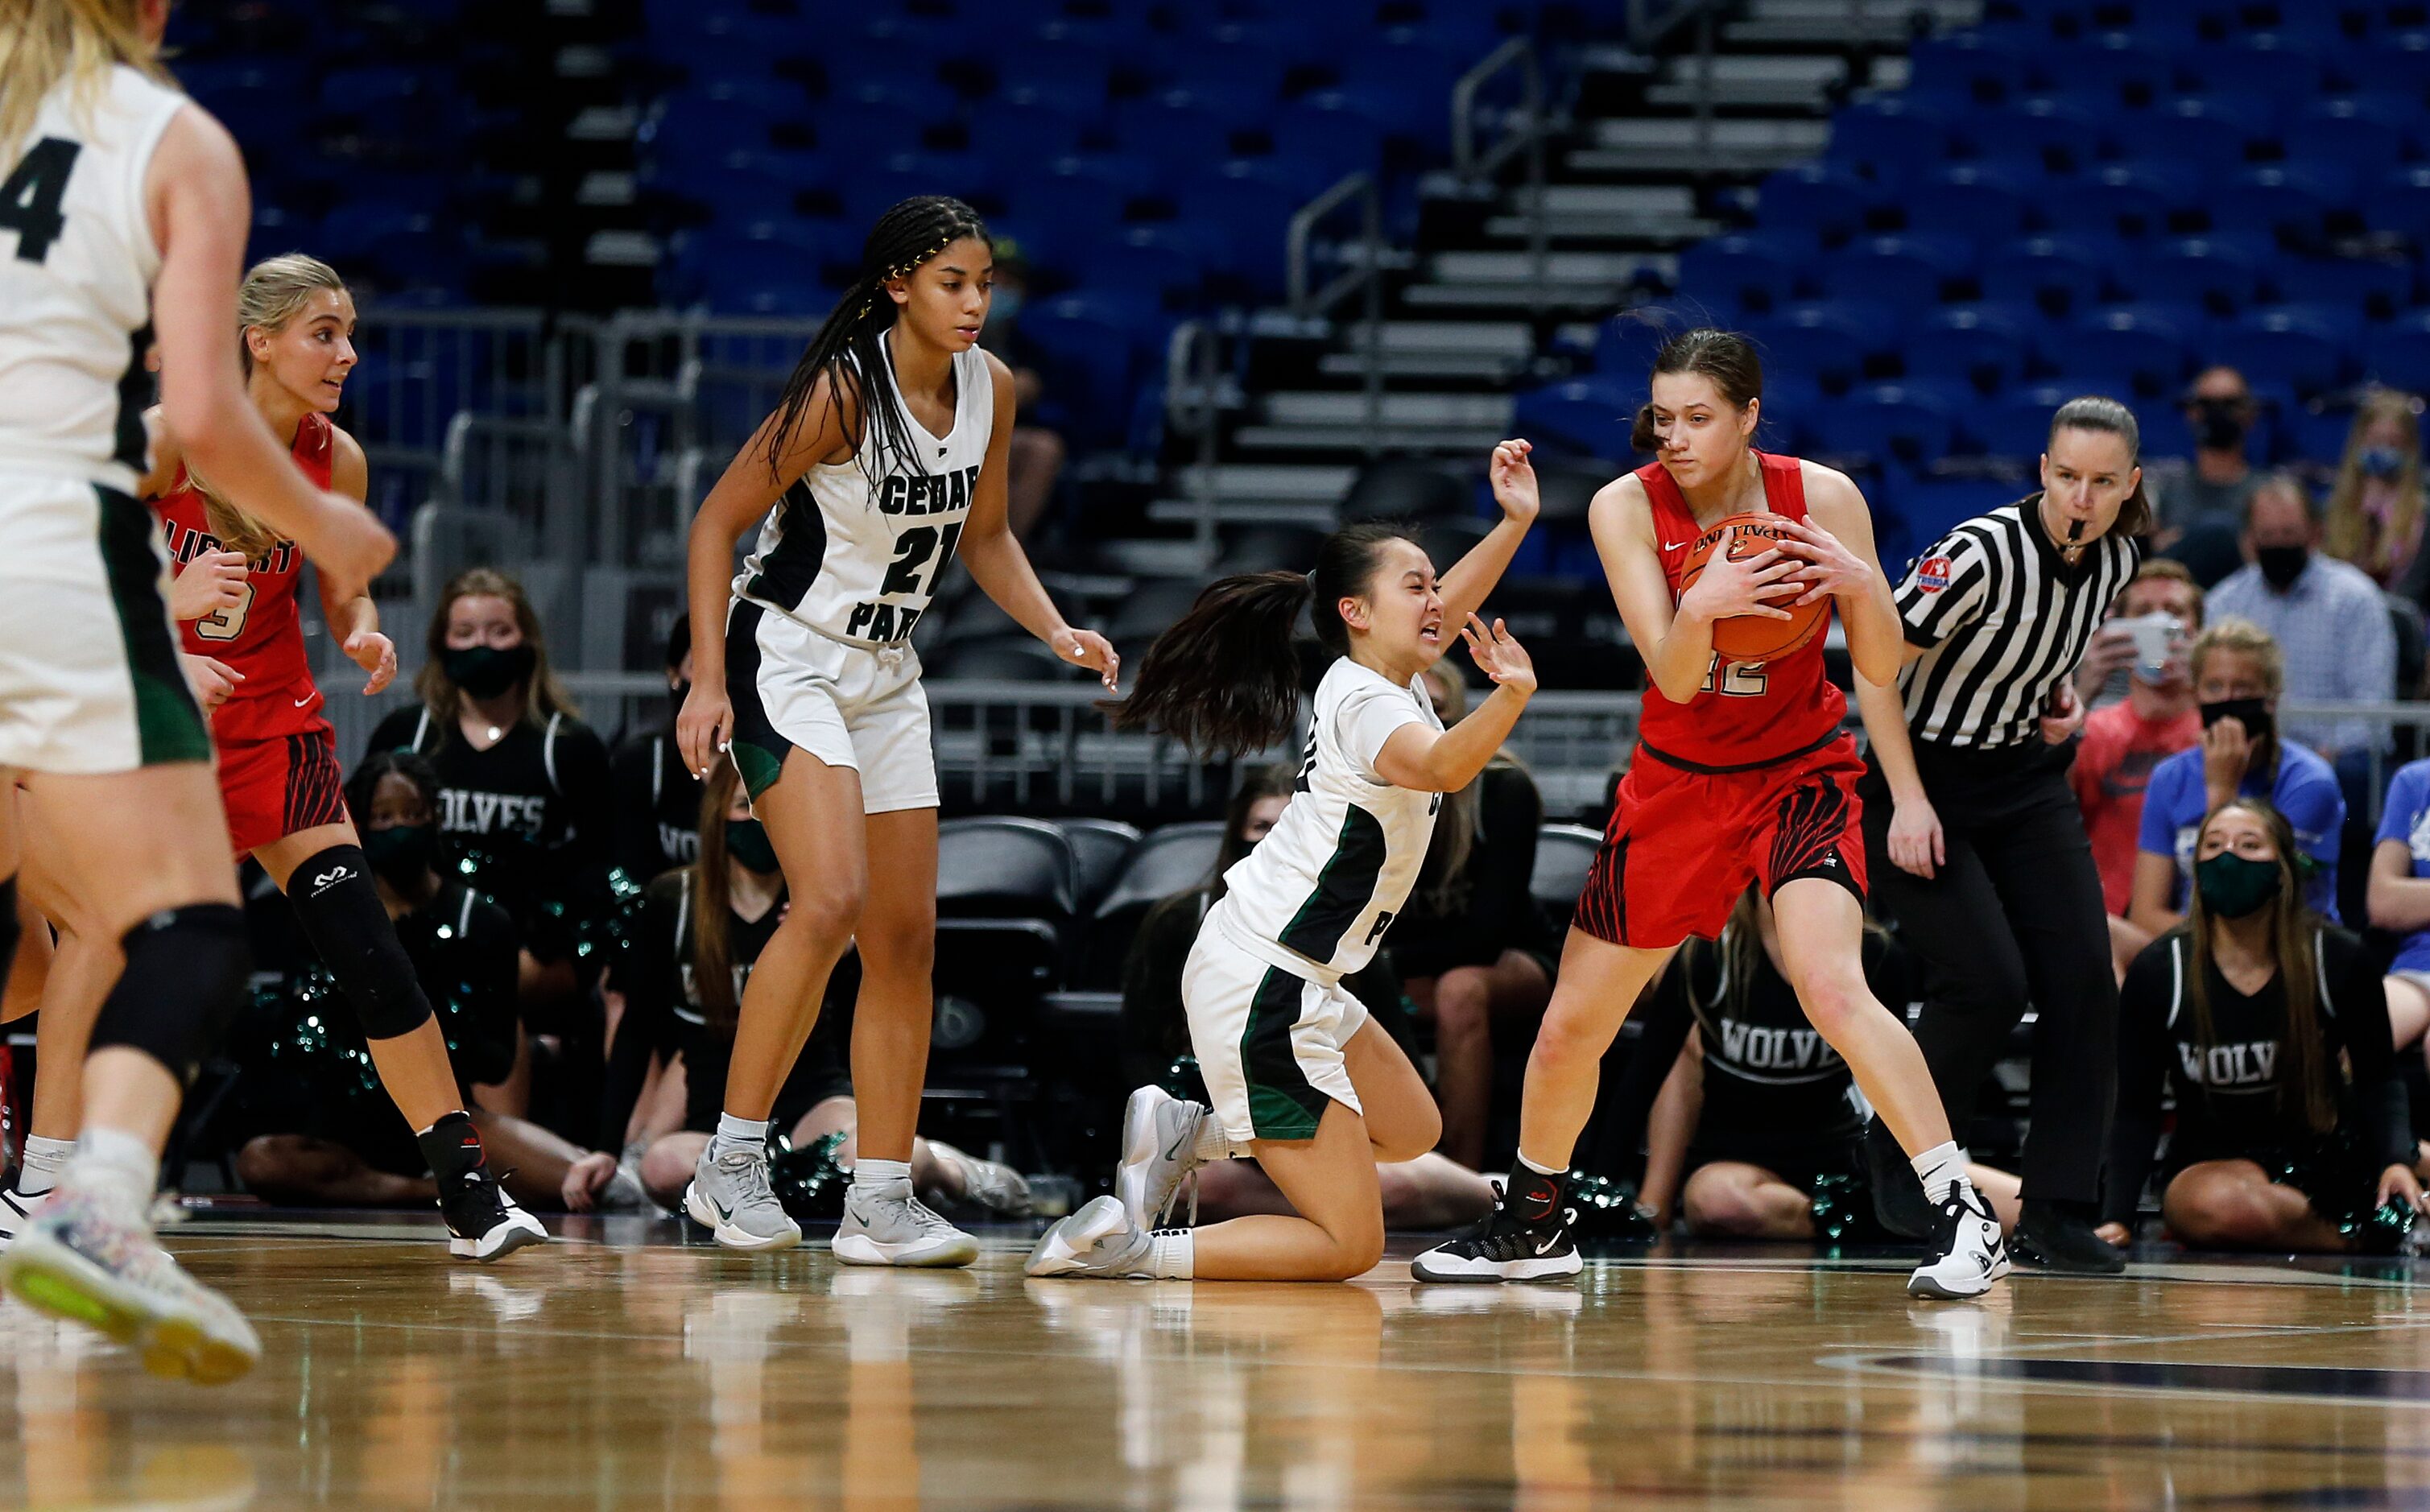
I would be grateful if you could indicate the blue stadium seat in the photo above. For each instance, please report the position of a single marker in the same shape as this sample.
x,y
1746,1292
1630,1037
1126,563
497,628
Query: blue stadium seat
x,y
869,190
1090,344
2400,202
1182,125
2306,347
1827,200
2113,68
1626,344
1901,273
2018,423
1928,508
2367,133
2375,288
2400,353
1243,209
1154,263
1021,126
2213,132
2396,64
1984,345
1967,200
1912,423
871,120
2219,273
2059,276
2131,200
1979,67
741,182
1326,135
2257,64
2062,134
1891,137
1590,417
1791,419
1748,272
1075,75
1827,341
2148,346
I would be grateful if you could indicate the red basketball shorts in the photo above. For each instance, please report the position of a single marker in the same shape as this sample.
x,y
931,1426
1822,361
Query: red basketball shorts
x,y
276,787
1684,846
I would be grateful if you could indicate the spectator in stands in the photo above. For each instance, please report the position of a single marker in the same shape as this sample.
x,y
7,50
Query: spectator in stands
x,y
335,1139
2375,505
1469,945
1432,1192
523,790
1036,459
2247,1014
2123,742
2199,504
698,935
2399,898
657,798
2328,618
2237,674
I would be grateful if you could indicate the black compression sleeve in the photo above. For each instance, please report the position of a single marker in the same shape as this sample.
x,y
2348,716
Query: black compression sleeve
x,y
2142,1067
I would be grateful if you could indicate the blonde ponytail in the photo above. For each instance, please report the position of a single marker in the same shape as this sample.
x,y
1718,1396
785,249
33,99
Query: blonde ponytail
x,y
43,42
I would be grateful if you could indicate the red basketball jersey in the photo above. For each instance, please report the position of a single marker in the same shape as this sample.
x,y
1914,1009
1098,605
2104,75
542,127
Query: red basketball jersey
x,y
1748,714
262,637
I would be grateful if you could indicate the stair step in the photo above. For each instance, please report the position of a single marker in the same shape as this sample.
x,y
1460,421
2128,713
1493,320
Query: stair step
x,y
1738,144
1561,267
1270,512
1527,296
1421,366
1667,230
1348,406
1262,483
1841,22
1496,338
1433,438
1754,79
1608,199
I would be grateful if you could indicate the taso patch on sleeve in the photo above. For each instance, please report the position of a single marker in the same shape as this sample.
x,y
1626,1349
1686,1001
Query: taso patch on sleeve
x,y
1932,573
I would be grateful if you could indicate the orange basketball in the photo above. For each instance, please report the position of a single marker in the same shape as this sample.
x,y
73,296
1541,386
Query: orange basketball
x,y
1751,636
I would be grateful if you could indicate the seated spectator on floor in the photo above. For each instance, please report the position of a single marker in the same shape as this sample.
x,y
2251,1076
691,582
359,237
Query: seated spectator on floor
x,y
2123,742
2330,622
688,952
2375,505
1471,946
1432,1192
2237,674
2200,503
2400,898
524,806
656,797
2270,1027
337,1140
1035,455
1756,1129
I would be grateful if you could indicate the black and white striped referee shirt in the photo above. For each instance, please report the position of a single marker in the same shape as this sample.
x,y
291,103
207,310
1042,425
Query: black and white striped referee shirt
x,y
2003,619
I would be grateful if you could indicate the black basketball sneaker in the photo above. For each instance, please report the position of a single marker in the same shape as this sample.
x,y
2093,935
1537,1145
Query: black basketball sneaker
x,y
482,1222
1527,1238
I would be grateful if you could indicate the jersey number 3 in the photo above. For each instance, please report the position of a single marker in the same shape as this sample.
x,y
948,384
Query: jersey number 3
x,y
228,622
30,201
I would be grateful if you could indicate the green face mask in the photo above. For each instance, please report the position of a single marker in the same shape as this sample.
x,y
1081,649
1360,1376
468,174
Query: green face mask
x,y
746,840
2234,886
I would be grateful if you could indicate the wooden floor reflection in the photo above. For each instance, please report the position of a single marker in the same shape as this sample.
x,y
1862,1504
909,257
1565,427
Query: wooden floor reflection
x,y
641,1372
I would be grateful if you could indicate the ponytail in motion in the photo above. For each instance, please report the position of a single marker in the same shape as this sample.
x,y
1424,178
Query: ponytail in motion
x,y
850,347
1225,678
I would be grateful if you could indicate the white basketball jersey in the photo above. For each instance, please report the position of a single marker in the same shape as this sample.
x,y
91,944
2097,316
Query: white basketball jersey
x,y
854,548
76,264
1323,887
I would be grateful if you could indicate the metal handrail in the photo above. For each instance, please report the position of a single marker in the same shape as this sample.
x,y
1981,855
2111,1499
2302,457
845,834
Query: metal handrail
x,y
1477,168
1368,277
1649,22
1192,364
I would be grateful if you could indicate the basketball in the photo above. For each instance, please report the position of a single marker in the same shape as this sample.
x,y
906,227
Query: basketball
x,y
1752,638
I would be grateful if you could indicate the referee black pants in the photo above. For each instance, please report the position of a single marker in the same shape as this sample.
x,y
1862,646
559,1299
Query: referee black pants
x,y
2014,918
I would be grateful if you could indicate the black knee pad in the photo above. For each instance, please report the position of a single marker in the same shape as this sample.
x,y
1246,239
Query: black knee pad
x,y
184,979
341,916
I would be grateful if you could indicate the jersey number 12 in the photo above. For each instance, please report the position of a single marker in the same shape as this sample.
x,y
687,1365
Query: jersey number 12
x,y
1739,679
29,200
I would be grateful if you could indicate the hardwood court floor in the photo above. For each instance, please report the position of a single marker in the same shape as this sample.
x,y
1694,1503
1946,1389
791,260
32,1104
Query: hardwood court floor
x,y
621,1367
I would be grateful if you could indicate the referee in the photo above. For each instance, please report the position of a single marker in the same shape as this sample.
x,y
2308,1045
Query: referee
x,y
1973,838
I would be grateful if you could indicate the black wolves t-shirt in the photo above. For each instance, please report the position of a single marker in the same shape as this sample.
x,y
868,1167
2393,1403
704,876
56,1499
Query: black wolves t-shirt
x,y
657,801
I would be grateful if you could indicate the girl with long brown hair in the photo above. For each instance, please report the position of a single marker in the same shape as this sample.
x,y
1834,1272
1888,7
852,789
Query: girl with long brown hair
x,y
128,209
2271,1025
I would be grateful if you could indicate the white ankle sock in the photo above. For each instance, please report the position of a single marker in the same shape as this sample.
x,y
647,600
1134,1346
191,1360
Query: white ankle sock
x,y
1942,1171
738,1134
45,1159
1176,1254
121,1164
1542,1171
880,1176
1212,1143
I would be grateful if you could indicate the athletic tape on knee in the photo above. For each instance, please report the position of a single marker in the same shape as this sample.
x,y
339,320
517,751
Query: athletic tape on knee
x,y
342,917
184,979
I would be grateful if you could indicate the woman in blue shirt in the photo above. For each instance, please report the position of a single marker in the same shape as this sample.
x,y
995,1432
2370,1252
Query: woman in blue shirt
x,y
2400,898
2238,671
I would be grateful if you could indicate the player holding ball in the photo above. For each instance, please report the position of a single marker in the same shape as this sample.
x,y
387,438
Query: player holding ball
x,y
1743,777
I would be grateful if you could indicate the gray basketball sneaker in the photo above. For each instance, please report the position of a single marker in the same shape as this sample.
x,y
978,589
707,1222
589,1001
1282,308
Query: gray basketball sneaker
x,y
893,1227
729,1196
92,1258
1159,1136
1099,1240
997,1187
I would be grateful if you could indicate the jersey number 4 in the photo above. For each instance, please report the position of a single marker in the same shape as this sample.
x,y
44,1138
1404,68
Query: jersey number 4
x,y
912,550
30,201
1739,679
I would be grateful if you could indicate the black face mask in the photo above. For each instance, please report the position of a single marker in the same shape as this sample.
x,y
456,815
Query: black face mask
x,y
484,671
746,840
2253,713
401,853
2218,424
2282,565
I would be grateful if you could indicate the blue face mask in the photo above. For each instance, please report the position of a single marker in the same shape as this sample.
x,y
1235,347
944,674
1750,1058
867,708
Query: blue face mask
x,y
2380,461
